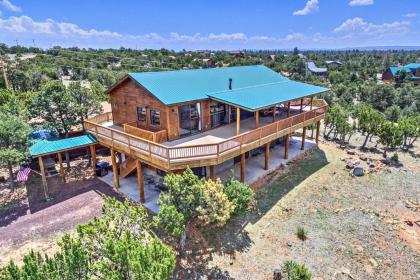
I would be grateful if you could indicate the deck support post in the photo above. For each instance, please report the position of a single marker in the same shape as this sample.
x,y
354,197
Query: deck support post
x,y
93,157
312,102
44,178
229,113
274,113
302,147
288,109
257,119
242,179
286,146
140,180
318,125
60,163
115,169
238,120
212,173
301,105
267,156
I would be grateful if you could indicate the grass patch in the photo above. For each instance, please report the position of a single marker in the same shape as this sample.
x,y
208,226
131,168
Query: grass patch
x,y
301,233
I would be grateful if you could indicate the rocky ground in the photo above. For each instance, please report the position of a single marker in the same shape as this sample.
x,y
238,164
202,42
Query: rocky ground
x,y
358,227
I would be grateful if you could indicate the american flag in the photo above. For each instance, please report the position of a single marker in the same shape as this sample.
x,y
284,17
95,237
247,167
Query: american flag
x,y
23,174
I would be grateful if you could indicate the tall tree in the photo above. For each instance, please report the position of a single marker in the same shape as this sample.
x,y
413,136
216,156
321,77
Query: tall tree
x,y
54,107
14,142
86,102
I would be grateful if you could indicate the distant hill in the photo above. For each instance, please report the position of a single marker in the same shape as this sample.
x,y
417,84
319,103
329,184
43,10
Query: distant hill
x,y
384,48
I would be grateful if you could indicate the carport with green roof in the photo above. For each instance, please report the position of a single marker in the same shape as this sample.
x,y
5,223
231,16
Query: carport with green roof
x,y
42,148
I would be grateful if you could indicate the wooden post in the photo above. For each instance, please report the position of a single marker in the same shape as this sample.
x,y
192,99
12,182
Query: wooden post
x,y
288,109
243,168
302,147
267,156
93,156
301,105
318,124
140,180
44,178
312,102
229,113
286,147
212,173
60,162
274,113
257,119
238,120
115,169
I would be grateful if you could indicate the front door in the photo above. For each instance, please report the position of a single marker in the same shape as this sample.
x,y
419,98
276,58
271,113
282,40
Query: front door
x,y
189,119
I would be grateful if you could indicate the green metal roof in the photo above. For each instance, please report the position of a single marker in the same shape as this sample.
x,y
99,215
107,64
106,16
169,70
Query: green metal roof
x,y
43,147
262,96
172,87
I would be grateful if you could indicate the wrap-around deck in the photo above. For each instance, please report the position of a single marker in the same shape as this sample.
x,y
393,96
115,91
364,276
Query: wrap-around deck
x,y
211,149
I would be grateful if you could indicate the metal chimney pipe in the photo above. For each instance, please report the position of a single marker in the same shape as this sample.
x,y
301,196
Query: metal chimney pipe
x,y
230,83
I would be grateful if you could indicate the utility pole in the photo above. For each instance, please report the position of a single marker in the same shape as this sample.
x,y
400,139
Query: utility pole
x,y
3,67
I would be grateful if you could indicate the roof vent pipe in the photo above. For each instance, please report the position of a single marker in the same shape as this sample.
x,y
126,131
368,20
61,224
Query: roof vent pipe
x,y
230,83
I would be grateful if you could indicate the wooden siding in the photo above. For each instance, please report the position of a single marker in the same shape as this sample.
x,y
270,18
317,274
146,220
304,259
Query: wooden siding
x,y
127,96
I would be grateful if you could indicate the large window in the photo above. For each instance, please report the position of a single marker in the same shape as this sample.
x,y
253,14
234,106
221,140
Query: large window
x,y
218,114
154,117
189,119
141,114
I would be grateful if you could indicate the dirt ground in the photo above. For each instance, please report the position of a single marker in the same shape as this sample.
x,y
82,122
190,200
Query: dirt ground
x,y
358,227
32,223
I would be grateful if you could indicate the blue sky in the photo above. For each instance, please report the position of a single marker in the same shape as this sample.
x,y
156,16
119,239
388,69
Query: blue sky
x,y
217,24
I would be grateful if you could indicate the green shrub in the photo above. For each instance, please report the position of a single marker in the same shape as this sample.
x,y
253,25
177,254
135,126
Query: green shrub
x,y
301,233
295,271
241,195
394,157
169,219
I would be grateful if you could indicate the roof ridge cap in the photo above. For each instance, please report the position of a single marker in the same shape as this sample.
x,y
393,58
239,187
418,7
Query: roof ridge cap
x,y
253,86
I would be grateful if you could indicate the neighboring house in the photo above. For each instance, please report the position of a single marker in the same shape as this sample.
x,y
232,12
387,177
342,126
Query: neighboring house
x,y
334,64
412,70
311,67
201,118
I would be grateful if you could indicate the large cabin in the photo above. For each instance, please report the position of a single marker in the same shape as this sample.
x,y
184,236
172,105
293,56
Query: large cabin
x,y
203,118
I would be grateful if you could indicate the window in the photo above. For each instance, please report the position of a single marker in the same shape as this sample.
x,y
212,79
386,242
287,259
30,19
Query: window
x,y
141,114
154,117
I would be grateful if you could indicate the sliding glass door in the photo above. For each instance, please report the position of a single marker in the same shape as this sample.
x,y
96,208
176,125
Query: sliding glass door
x,y
189,119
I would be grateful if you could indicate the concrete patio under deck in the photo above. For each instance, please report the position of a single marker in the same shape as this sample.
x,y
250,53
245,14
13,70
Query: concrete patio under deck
x,y
254,170
130,188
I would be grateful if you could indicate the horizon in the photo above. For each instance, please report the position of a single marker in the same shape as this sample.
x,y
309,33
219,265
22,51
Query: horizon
x,y
266,25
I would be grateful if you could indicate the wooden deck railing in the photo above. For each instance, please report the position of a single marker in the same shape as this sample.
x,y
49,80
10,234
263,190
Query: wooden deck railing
x,y
155,136
170,158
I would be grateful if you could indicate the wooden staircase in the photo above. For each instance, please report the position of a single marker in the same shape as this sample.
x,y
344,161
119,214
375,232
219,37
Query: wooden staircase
x,y
127,167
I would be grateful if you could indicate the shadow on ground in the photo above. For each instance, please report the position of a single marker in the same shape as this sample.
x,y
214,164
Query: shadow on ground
x,y
233,237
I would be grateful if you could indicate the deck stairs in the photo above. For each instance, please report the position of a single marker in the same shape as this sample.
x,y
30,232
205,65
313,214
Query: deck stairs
x,y
128,166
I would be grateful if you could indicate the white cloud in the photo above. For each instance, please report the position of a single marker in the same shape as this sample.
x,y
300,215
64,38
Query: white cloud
x,y
25,24
411,15
310,7
361,3
294,37
358,26
9,6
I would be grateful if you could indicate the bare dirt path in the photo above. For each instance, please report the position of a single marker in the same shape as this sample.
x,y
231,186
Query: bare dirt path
x,y
36,224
